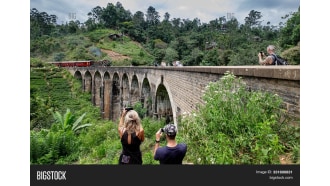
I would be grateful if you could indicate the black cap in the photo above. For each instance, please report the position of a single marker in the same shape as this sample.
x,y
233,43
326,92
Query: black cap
x,y
170,130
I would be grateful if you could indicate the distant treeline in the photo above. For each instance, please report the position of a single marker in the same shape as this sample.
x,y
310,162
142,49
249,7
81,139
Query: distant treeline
x,y
220,42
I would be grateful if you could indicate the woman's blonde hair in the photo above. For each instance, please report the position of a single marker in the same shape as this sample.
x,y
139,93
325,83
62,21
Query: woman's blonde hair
x,y
132,121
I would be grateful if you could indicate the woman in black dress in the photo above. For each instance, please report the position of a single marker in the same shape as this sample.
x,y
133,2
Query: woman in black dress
x,y
131,135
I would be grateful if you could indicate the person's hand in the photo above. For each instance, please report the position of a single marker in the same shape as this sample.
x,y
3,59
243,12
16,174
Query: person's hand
x,y
158,134
123,112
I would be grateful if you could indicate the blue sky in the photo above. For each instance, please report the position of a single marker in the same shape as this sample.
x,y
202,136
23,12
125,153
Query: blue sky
x,y
205,10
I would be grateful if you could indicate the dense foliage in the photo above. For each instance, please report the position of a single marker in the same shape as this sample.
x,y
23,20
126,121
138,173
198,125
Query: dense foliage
x,y
67,129
50,88
235,126
238,126
220,42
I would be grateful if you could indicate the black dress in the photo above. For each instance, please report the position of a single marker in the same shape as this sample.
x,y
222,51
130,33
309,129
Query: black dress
x,y
131,153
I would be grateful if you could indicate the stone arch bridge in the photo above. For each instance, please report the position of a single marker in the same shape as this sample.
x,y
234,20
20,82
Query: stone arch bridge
x,y
169,92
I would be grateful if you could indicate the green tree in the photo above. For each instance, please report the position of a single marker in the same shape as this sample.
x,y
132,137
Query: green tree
x,y
139,109
94,18
253,18
152,16
138,20
290,33
170,55
195,58
212,58
122,14
225,57
41,23
109,16
73,27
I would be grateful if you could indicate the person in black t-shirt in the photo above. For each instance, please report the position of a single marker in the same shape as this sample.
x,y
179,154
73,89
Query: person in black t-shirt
x,y
173,152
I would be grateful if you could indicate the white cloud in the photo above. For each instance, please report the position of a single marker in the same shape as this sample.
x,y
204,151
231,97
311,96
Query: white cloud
x,y
185,9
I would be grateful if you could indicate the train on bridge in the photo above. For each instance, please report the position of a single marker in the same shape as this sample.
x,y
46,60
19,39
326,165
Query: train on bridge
x,y
89,63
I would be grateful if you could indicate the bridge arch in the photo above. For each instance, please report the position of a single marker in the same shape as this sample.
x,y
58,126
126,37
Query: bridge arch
x,y
146,97
165,106
106,96
184,86
78,76
125,89
88,82
98,86
134,91
115,101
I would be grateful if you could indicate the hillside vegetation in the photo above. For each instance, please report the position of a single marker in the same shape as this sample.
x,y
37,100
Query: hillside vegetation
x,y
240,132
91,46
249,128
53,92
144,39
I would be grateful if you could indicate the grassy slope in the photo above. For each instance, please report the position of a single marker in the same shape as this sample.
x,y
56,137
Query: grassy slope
x,y
99,144
80,46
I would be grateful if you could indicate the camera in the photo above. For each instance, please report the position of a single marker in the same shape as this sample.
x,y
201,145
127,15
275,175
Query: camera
x,y
128,108
169,130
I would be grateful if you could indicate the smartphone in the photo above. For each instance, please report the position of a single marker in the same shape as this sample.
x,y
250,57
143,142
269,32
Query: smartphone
x,y
128,108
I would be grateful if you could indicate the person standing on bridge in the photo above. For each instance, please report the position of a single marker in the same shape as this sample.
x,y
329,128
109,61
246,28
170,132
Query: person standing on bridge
x,y
267,60
173,152
131,135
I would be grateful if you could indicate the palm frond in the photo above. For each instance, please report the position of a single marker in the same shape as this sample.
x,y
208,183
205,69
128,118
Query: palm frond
x,y
58,117
67,119
82,126
76,123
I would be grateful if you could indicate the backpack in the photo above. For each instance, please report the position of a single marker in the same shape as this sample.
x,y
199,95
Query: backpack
x,y
279,60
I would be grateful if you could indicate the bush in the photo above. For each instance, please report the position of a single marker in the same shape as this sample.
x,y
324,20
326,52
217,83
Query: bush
x,y
59,56
292,55
34,62
235,126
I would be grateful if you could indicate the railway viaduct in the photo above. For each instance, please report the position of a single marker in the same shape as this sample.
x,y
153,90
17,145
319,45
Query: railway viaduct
x,y
170,92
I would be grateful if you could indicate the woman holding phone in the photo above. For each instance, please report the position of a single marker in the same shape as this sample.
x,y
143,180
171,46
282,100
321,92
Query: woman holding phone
x,y
131,135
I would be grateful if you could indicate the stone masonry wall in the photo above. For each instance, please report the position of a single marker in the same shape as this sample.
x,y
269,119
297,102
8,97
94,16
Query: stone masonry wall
x,y
185,85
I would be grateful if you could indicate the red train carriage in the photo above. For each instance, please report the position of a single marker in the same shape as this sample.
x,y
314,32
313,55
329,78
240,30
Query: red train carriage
x,y
83,63
73,63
